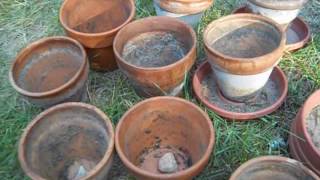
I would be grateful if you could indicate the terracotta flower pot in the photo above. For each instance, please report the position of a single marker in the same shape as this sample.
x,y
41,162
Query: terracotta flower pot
x,y
243,49
165,124
283,12
167,79
273,168
95,24
189,11
51,71
68,141
301,144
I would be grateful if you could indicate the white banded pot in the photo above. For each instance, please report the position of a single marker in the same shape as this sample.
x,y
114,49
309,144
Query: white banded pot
x,y
283,12
189,11
243,49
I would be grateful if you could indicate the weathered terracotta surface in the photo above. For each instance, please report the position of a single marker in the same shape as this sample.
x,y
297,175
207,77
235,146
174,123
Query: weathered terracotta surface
x,y
51,71
166,80
64,135
205,69
163,123
273,168
280,4
185,7
300,142
254,62
95,24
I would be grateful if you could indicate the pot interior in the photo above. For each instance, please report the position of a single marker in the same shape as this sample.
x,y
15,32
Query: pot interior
x,y
313,126
66,144
48,65
270,170
154,42
155,128
95,16
243,38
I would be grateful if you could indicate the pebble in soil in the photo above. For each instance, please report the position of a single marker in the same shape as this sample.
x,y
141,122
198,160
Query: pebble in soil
x,y
154,49
313,126
268,96
167,163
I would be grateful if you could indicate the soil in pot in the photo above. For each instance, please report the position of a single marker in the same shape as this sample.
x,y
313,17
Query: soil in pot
x,y
267,97
154,49
313,126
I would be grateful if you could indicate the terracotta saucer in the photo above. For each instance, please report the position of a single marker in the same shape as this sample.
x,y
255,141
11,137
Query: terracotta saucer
x,y
298,33
269,100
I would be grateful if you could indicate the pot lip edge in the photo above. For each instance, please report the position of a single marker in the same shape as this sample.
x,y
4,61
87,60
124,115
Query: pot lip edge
x,y
162,68
188,172
247,16
240,116
201,10
58,89
297,6
78,33
37,119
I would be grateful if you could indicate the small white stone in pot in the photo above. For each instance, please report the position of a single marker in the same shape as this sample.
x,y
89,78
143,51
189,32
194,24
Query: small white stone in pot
x,y
167,163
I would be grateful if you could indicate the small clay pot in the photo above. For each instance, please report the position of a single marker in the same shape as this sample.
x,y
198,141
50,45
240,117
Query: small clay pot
x,y
243,49
95,24
155,81
283,12
301,145
51,71
273,168
68,141
165,124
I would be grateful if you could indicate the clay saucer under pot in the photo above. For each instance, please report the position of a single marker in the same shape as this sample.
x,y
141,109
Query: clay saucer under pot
x,y
273,168
95,24
161,125
68,141
298,33
51,71
304,140
156,53
269,100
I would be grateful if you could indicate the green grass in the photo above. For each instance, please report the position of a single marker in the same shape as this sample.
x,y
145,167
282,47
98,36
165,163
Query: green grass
x,y
24,21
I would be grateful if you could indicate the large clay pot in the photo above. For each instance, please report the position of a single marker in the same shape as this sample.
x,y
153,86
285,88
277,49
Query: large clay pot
x,y
300,141
68,141
95,24
283,12
164,124
189,11
273,168
51,71
243,49
155,81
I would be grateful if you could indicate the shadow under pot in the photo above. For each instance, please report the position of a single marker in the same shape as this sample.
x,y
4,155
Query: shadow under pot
x,y
165,138
242,50
283,12
304,141
187,11
156,53
51,71
273,168
68,141
95,24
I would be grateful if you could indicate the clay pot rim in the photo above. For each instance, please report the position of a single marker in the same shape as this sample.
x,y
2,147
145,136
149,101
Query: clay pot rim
x,y
114,30
303,116
239,116
269,5
93,172
249,17
162,68
40,43
194,168
182,6
289,47
275,159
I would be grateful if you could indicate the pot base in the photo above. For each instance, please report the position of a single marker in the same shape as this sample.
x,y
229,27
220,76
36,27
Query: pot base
x,y
102,59
298,32
270,98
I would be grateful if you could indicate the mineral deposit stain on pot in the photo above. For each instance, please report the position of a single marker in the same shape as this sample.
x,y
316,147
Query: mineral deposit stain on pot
x,y
313,126
154,49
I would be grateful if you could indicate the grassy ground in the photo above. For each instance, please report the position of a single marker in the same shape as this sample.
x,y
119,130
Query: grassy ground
x,y
24,21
